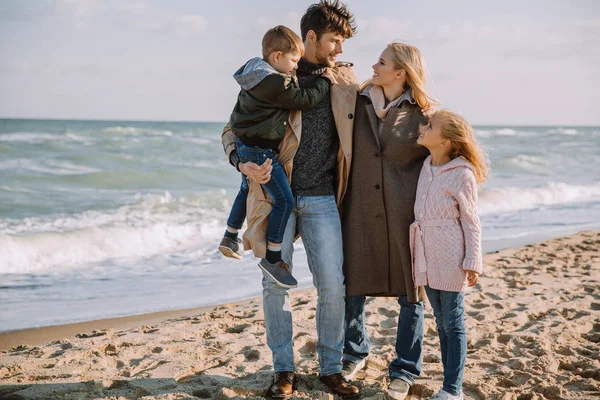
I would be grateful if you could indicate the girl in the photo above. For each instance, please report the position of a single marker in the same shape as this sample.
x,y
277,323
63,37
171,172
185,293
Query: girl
x,y
446,235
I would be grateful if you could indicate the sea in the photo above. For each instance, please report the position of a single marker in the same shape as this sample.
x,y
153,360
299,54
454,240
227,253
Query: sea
x,y
101,219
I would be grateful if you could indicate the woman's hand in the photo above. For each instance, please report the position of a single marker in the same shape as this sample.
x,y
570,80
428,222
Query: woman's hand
x,y
472,278
258,173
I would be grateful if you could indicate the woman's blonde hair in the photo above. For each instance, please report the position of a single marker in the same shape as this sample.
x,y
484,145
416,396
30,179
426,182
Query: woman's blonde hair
x,y
409,58
462,140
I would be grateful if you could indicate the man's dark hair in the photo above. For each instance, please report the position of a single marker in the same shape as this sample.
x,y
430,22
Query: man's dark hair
x,y
328,16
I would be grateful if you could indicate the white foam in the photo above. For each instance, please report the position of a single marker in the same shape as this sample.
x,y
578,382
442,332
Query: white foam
x,y
505,132
51,167
510,199
31,137
154,225
15,190
495,132
564,131
130,130
525,161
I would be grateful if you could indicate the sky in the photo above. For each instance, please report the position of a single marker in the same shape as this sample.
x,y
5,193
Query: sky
x,y
510,62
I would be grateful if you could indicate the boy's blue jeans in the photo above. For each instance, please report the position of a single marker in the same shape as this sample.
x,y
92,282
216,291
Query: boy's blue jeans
x,y
278,189
449,310
409,337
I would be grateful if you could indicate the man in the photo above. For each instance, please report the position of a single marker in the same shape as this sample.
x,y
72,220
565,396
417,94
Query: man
x,y
316,155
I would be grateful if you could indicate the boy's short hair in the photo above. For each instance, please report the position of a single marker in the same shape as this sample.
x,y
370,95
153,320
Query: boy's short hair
x,y
281,38
328,16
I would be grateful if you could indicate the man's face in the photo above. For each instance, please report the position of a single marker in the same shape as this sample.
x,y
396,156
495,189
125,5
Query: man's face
x,y
328,47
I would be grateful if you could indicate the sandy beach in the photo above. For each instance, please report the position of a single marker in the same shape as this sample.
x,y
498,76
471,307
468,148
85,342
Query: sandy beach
x,y
533,333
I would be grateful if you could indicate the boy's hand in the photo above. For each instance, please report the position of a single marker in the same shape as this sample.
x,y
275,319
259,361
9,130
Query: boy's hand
x,y
258,173
472,278
327,74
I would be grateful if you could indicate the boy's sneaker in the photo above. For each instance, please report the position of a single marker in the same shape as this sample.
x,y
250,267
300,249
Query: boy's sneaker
x,y
231,248
351,368
443,395
280,272
398,389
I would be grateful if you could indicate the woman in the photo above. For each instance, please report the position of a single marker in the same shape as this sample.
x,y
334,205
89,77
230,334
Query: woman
x,y
378,210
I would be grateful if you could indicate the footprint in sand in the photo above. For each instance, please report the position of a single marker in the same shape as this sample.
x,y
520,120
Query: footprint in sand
x,y
250,353
389,323
237,329
202,393
90,335
309,349
387,312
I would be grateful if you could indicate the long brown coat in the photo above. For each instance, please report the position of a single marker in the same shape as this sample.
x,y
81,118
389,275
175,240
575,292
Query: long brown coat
x,y
378,207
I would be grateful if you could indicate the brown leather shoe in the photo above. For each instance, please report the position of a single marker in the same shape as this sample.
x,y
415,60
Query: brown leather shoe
x,y
340,386
283,385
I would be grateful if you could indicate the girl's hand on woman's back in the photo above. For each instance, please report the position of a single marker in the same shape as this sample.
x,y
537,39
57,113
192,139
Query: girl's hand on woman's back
x,y
472,278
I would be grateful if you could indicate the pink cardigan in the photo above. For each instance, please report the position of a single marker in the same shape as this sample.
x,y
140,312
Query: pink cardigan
x,y
445,239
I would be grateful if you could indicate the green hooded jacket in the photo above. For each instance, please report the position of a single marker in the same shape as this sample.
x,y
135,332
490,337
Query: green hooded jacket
x,y
265,100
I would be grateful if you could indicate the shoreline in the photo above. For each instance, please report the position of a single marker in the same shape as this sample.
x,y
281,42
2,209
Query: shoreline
x,y
44,334
53,332
533,331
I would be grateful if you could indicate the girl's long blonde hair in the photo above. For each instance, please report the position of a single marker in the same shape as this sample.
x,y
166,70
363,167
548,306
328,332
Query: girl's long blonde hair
x,y
462,140
410,59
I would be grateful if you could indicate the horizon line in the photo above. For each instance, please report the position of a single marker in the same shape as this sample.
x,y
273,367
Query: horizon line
x,y
224,122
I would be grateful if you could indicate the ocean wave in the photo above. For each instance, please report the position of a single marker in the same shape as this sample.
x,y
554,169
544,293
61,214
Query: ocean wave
x,y
496,132
563,131
31,137
524,161
50,167
153,225
511,199
15,190
131,130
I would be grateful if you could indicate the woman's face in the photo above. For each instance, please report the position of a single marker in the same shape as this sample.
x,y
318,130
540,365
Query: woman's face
x,y
384,70
430,134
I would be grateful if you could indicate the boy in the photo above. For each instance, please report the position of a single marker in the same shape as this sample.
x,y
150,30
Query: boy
x,y
268,93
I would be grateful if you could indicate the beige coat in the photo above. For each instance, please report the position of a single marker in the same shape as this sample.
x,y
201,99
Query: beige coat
x,y
258,207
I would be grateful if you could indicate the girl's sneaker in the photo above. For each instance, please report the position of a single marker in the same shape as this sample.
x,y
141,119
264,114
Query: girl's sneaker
x,y
443,395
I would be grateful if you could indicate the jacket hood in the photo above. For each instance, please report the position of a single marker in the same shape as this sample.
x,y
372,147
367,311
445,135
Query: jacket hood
x,y
458,162
253,72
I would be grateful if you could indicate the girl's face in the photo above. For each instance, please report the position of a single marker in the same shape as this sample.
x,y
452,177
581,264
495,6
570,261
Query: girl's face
x,y
384,70
430,135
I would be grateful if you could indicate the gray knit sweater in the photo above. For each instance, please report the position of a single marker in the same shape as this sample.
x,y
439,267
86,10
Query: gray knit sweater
x,y
315,161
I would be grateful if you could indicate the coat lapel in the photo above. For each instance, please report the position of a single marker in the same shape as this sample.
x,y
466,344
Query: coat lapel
x,y
343,99
374,120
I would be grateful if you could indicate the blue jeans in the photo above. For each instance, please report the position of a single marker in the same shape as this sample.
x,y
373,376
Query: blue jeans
x,y
409,338
278,189
449,310
317,219
237,215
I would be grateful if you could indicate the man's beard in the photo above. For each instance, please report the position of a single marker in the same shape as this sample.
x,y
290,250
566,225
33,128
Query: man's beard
x,y
323,59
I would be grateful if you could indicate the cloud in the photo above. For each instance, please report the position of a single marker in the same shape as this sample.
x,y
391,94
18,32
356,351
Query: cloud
x,y
81,8
142,15
190,23
135,7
